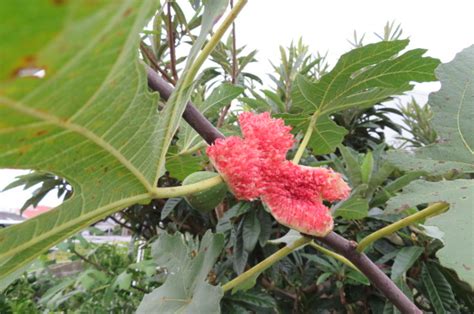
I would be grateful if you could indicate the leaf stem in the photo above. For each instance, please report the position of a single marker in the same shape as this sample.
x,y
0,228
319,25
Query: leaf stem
x,y
183,190
266,263
433,209
306,138
212,43
334,255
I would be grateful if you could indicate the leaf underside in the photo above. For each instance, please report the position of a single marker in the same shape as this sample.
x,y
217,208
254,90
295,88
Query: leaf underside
x,y
90,119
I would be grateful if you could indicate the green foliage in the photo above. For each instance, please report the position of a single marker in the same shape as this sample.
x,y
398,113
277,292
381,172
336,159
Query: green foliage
x,y
453,110
48,183
438,289
418,121
458,252
83,277
185,288
360,79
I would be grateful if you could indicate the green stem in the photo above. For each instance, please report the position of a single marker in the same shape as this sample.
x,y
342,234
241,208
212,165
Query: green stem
x,y
433,209
306,138
212,43
184,190
334,255
266,263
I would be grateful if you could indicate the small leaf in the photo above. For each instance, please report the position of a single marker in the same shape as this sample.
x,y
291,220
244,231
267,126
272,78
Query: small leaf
x,y
439,290
323,277
255,298
352,165
251,231
289,238
405,259
367,167
169,206
124,280
352,208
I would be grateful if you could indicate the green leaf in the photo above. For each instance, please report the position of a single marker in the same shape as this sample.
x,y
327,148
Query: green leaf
x,y
405,259
352,208
352,165
224,224
453,113
255,298
251,231
90,119
289,238
323,277
367,167
185,289
182,165
362,78
439,290
393,187
327,135
456,223
124,280
169,206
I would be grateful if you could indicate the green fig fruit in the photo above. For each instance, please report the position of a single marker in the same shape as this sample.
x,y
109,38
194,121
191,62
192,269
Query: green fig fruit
x,y
207,200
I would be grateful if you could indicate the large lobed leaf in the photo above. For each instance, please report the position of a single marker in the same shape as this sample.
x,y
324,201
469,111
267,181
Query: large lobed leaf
x,y
90,119
453,114
188,265
453,109
362,78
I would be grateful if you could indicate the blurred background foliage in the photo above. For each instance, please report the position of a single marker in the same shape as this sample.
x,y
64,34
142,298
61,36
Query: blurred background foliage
x,y
79,276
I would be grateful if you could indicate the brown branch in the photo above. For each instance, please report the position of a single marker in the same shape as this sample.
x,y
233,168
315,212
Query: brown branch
x,y
366,266
150,57
171,44
233,75
341,245
192,116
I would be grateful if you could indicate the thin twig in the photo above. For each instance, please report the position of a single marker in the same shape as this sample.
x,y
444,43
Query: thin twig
x,y
345,247
233,74
171,44
88,261
150,57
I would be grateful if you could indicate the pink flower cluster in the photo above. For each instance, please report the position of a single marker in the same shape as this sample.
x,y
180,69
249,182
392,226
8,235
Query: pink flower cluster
x,y
256,166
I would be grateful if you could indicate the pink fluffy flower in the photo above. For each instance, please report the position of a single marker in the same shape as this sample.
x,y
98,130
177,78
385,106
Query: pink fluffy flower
x,y
256,166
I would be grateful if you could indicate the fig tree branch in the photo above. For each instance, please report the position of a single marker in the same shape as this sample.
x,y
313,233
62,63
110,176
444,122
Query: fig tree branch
x,y
336,242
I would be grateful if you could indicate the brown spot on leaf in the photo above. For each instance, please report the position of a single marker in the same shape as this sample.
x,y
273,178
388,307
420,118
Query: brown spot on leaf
x,y
24,149
127,12
466,267
41,132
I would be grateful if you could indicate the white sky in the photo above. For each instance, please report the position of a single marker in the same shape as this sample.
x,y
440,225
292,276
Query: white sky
x,y
442,27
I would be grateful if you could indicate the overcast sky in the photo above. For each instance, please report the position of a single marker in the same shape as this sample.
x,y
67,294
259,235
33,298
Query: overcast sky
x,y
442,27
